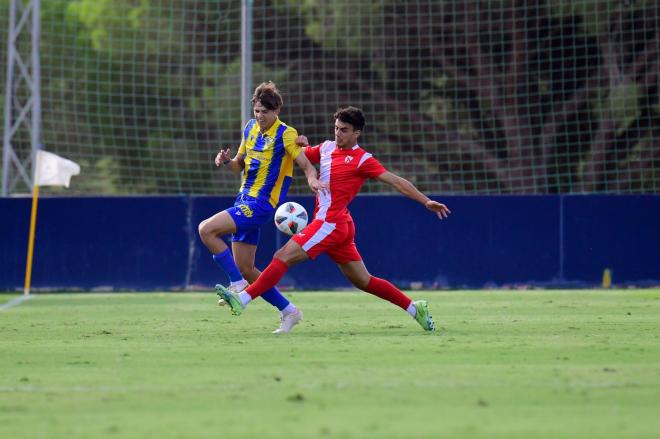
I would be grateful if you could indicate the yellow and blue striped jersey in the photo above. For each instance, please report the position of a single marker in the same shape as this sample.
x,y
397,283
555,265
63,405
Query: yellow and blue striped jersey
x,y
268,161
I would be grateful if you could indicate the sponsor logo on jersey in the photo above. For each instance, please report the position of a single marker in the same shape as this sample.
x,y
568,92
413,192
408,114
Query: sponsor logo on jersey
x,y
348,159
246,210
258,155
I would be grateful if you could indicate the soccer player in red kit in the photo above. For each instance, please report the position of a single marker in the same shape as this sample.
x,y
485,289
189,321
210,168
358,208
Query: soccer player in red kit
x,y
344,167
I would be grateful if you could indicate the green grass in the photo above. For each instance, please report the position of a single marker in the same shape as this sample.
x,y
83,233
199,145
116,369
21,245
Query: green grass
x,y
7,297
505,364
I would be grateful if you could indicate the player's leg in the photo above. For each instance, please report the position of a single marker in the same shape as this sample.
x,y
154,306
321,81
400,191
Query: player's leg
x,y
357,273
284,258
317,238
288,256
244,255
210,231
347,257
253,215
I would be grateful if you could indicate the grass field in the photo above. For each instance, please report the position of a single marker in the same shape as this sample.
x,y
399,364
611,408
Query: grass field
x,y
505,364
4,298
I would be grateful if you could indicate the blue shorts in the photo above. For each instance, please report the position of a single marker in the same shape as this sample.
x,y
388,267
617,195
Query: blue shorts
x,y
249,214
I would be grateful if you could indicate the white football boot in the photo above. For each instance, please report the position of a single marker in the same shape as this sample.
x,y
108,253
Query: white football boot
x,y
235,288
287,322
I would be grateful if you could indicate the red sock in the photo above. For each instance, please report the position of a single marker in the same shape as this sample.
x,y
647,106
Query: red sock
x,y
385,290
268,278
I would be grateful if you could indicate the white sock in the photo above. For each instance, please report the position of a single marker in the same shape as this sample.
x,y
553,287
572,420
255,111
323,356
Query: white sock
x,y
289,309
242,281
245,298
412,310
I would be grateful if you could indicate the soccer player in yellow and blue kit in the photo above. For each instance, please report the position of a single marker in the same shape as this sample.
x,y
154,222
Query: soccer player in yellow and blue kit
x,y
265,159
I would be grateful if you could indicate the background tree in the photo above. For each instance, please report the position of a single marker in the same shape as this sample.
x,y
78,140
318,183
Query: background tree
x,y
513,96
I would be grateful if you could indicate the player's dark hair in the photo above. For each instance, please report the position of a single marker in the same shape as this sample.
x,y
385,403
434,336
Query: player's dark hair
x,y
269,96
351,115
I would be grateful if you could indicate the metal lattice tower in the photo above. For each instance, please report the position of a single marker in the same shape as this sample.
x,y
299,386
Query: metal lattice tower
x,y
22,116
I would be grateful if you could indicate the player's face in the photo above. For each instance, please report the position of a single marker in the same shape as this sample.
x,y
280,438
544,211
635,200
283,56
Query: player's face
x,y
345,136
265,117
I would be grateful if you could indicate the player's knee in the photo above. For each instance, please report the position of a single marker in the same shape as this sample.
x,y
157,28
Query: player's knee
x,y
361,282
281,254
203,229
286,255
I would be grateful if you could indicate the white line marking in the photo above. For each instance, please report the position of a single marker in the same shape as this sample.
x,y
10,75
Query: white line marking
x,y
110,389
16,301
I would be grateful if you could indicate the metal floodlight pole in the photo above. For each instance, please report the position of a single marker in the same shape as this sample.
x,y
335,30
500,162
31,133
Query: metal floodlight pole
x,y
22,95
246,60
9,80
35,137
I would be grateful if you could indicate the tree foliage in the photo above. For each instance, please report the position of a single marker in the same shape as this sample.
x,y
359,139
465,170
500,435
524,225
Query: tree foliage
x,y
511,96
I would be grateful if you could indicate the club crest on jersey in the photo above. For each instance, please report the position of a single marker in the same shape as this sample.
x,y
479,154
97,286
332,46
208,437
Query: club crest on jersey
x,y
246,210
348,159
269,142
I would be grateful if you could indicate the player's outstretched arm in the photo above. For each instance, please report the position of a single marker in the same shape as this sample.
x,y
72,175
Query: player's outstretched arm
x,y
223,158
311,174
409,190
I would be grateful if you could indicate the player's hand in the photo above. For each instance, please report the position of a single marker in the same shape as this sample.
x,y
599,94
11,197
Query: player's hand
x,y
302,141
318,186
440,209
222,156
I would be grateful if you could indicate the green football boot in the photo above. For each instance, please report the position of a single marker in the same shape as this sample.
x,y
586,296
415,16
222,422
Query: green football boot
x,y
235,288
423,315
231,299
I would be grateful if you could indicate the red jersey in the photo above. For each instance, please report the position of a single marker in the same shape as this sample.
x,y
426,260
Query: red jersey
x,y
345,172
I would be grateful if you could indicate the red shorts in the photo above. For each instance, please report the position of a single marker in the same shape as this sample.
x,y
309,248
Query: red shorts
x,y
337,240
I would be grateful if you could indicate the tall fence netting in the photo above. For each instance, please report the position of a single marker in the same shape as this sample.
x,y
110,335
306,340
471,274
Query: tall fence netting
x,y
461,97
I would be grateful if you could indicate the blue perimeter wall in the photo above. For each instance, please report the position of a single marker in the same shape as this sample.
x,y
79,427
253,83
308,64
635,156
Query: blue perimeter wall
x,y
151,243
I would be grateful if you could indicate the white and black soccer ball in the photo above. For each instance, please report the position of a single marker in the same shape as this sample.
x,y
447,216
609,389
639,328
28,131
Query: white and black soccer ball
x,y
290,218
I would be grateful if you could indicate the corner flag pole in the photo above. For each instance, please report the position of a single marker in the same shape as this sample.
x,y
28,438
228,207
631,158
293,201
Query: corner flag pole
x,y
49,170
30,253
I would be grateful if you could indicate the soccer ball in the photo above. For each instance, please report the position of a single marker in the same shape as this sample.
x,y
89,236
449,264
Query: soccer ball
x,y
290,218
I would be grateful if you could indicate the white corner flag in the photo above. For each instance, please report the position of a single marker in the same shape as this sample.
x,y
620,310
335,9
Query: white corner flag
x,y
53,170
50,170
